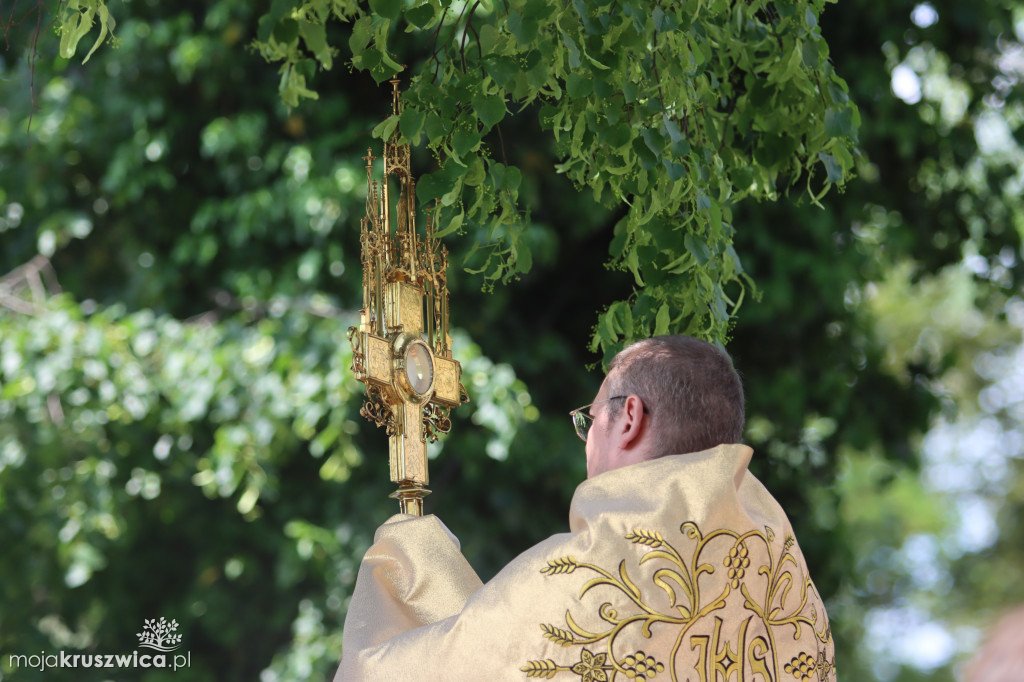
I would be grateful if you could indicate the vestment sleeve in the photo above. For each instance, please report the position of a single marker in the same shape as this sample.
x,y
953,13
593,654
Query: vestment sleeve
x,y
414,575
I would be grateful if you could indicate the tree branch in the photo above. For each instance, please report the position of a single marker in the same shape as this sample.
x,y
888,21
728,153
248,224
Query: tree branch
x,y
479,48
38,276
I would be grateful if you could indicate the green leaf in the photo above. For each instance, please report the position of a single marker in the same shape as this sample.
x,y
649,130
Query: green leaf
x,y
793,63
524,258
718,305
437,126
647,158
592,26
524,30
279,8
368,60
614,136
476,174
362,33
431,186
617,245
452,195
678,144
286,31
811,54
655,142
832,167
594,62
812,21
505,177
411,124
74,29
603,89
620,318
315,37
384,68
574,52
675,170
385,128
513,177
490,109
839,123
540,10
306,67
264,28
633,263
464,141
579,85
698,248
452,225
421,15
498,171
610,326
658,17
629,91
389,9
742,177
716,217
547,116
662,320
502,69
537,75
107,24
488,38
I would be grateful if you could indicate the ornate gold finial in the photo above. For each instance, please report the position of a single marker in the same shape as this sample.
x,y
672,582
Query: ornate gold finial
x,y
401,349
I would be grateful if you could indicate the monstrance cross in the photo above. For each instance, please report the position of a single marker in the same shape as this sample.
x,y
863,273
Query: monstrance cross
x,y
401,349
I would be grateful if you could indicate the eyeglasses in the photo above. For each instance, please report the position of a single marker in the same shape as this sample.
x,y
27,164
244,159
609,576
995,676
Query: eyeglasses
x,y
583,420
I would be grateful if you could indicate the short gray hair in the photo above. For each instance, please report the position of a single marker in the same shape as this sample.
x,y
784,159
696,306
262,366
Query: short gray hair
x,y
690,387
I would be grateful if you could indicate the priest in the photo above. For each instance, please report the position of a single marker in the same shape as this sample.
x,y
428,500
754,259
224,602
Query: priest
x,y
678,564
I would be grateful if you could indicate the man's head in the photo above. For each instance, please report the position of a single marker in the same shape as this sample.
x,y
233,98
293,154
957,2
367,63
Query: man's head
x,y
663,396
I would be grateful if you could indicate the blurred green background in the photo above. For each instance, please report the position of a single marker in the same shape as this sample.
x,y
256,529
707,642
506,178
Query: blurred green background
x,y
179,430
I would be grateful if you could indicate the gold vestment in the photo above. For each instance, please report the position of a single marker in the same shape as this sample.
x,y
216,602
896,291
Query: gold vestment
x,y
682,568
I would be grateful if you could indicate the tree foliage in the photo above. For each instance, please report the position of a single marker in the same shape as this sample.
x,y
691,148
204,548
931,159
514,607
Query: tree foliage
x,y
914,272
180,250
76,21
672,110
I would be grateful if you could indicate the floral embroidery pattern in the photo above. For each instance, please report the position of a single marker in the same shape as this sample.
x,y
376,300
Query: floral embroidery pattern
x,y
591,667
784,606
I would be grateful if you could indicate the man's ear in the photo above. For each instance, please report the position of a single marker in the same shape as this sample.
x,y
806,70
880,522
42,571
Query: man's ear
x,y
633,422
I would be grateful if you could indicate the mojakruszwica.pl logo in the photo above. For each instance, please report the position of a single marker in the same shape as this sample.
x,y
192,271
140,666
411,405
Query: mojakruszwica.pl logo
x,y
157,635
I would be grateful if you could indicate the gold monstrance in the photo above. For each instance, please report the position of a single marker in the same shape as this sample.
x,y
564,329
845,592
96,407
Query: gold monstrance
x,y
401,349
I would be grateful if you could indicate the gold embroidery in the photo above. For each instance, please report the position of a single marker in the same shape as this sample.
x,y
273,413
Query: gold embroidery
x,y
558,635
786,604
591,667
736,562
546,668
563,565
640,666
801,667
825,667
723,660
